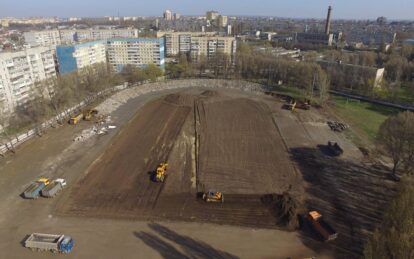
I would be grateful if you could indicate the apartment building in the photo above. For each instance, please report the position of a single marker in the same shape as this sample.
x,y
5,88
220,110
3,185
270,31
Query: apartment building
x,y
19,71
58,37
75,36
135,51
74,57
42,38
197,43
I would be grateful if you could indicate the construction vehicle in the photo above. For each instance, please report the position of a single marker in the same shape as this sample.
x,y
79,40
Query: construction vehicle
x,y
213,196
88,114
48,242
335,149
76,119
324,230
292,104
160,173
305,105
34,189
52,189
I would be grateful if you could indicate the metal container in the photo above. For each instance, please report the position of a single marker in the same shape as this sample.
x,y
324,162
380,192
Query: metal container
x,y
33,190
52,189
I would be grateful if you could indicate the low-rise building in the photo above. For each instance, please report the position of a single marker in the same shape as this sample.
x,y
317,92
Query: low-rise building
x,y
19,72
138,52
73,57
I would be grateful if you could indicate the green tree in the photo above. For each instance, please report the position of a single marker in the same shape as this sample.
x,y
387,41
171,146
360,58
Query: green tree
x,y
395,237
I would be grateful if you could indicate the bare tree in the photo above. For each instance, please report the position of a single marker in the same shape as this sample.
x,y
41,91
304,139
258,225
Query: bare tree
x,y
397,138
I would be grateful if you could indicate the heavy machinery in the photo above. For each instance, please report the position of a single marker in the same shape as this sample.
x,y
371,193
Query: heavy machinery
x,y
292,104
324,230
53,188
161,173
48,242
213,196
335,149
305,105
88,114
34,189
75,119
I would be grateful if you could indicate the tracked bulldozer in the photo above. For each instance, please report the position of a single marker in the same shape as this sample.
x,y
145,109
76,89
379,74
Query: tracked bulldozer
x,y
213,196
161,173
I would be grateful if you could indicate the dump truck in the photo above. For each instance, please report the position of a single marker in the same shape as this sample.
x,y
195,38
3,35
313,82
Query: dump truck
x,y
88,114
49,242
160,173
213,196
324,230
34,189
52,189
76,119
334,148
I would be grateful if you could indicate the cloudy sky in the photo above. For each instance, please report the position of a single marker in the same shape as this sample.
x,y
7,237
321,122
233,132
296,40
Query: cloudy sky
x,y
348,9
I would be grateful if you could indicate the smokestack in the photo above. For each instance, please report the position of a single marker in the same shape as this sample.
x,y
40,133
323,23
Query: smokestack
x,y
328,21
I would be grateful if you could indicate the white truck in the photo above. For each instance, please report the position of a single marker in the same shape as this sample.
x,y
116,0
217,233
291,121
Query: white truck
x,y
49,242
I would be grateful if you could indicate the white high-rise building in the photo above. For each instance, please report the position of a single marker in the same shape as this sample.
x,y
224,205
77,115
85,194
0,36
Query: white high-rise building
x,y
42,38
222,21
19,71
168,15
74,57
138,52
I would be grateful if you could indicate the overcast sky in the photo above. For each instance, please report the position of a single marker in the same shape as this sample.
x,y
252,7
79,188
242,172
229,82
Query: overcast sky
x,y
348,9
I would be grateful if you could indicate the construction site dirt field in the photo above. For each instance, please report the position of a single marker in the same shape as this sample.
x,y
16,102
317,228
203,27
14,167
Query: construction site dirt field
x,y
245,145
211,141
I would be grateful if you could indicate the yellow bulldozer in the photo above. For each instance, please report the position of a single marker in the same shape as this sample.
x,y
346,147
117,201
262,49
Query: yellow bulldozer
x,y
213,196
88,114
161,173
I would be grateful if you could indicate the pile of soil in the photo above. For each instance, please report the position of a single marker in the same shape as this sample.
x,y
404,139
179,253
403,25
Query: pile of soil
x,y
209,93
285,208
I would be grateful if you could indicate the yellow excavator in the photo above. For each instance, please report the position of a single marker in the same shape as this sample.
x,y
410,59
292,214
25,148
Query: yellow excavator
x,y
292,104
161,173
213,196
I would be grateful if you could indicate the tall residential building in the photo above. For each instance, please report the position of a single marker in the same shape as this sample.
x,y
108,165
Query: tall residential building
x,y
198,44
58,37
177,16
19,71
212,15
168,15
72,58
42,38
74,36
138,52
222,21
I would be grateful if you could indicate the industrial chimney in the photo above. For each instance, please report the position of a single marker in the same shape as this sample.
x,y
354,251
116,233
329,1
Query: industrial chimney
x,y
328,21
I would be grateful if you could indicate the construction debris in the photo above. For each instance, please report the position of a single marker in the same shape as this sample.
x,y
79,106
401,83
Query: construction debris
x,y
95,130
337,126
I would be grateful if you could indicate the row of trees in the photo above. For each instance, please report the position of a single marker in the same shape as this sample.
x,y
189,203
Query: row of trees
x,y
251,65
395,237
52,96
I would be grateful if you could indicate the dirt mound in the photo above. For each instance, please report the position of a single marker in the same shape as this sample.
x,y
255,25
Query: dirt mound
x,y
209,93
285,208
180,99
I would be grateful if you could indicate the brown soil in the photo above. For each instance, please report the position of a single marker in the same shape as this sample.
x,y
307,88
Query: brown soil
x,y
239,152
